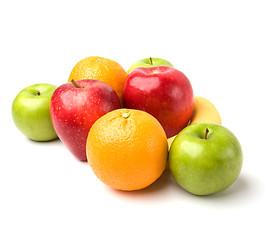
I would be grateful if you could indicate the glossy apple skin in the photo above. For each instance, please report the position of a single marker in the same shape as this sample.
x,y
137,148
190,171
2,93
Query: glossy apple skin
x,y
74,110
31,112
147,62
205,166
164,92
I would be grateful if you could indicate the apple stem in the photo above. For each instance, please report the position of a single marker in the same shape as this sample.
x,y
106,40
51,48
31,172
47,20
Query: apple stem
x,y
206,133
75,84
151,61
38,93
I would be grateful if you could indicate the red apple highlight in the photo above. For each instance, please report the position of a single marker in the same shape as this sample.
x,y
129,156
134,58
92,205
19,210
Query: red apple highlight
x,y
75,107
164,92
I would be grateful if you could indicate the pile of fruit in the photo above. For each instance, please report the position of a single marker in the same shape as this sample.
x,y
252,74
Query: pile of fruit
x,y
130,125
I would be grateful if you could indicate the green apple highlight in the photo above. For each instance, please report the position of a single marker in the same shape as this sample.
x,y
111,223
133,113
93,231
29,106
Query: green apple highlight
x,y
31,114
150,62
205,158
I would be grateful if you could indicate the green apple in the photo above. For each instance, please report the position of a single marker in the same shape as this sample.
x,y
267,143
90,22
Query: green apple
x,y
31,112
205,158
150,62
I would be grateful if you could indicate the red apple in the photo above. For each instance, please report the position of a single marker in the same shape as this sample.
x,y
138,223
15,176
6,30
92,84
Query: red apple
x,y
164,92
75,107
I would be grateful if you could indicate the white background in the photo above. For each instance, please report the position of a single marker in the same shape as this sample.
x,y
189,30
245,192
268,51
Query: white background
x,y
224,49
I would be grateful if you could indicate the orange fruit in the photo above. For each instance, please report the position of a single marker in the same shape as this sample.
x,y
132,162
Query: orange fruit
x,y
102,69
127,149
